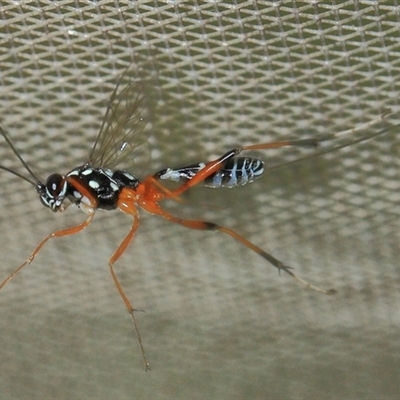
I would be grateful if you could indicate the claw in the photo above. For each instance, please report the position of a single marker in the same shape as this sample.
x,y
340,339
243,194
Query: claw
x,y
285,268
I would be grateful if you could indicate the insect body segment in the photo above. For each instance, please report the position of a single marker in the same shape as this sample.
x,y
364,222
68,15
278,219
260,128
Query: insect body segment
x,y
53,193
101,184
237,172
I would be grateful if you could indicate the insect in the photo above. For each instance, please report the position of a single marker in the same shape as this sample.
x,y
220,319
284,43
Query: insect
x,y
98,184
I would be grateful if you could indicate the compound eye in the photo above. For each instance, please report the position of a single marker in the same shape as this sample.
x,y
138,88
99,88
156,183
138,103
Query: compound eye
x,y
55,185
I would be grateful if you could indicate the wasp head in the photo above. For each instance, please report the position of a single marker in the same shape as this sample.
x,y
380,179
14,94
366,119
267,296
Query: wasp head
x,y
54,192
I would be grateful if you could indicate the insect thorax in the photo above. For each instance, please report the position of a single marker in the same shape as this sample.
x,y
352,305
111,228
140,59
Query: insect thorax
x,y
102,183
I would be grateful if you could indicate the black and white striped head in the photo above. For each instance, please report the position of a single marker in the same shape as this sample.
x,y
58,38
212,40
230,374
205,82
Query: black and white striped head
x,y
54,192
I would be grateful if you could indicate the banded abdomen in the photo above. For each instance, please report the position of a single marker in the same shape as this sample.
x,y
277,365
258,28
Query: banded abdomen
x,y
236,172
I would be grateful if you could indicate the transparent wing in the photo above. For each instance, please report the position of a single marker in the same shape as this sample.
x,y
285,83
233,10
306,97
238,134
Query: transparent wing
x,y
125,119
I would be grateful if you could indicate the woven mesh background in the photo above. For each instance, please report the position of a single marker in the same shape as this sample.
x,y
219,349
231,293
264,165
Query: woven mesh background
x,y
219,322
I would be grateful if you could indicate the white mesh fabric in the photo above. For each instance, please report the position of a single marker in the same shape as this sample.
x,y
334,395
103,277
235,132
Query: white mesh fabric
x,y
219,322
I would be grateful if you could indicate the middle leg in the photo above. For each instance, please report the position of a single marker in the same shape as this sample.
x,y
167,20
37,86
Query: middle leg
x,y
130,209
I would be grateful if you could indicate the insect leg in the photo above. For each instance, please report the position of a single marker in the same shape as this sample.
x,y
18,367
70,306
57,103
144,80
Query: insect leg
x,y
129,209
204,225
64,232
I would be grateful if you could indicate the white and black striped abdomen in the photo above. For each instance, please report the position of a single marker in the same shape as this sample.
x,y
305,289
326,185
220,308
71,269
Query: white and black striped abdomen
x,y
236,172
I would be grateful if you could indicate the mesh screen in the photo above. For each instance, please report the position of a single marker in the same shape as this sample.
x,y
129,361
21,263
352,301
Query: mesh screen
x,y
220,322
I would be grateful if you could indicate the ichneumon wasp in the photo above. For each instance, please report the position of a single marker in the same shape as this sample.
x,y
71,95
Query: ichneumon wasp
x,y
98,185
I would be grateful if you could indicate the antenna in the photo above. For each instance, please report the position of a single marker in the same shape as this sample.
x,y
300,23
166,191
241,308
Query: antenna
x,y
36,182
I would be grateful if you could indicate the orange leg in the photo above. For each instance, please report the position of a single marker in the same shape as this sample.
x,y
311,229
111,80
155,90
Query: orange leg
x,y
61,233
127,206
154,208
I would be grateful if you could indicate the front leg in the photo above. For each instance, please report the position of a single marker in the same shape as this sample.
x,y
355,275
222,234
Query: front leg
x,y
64,232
